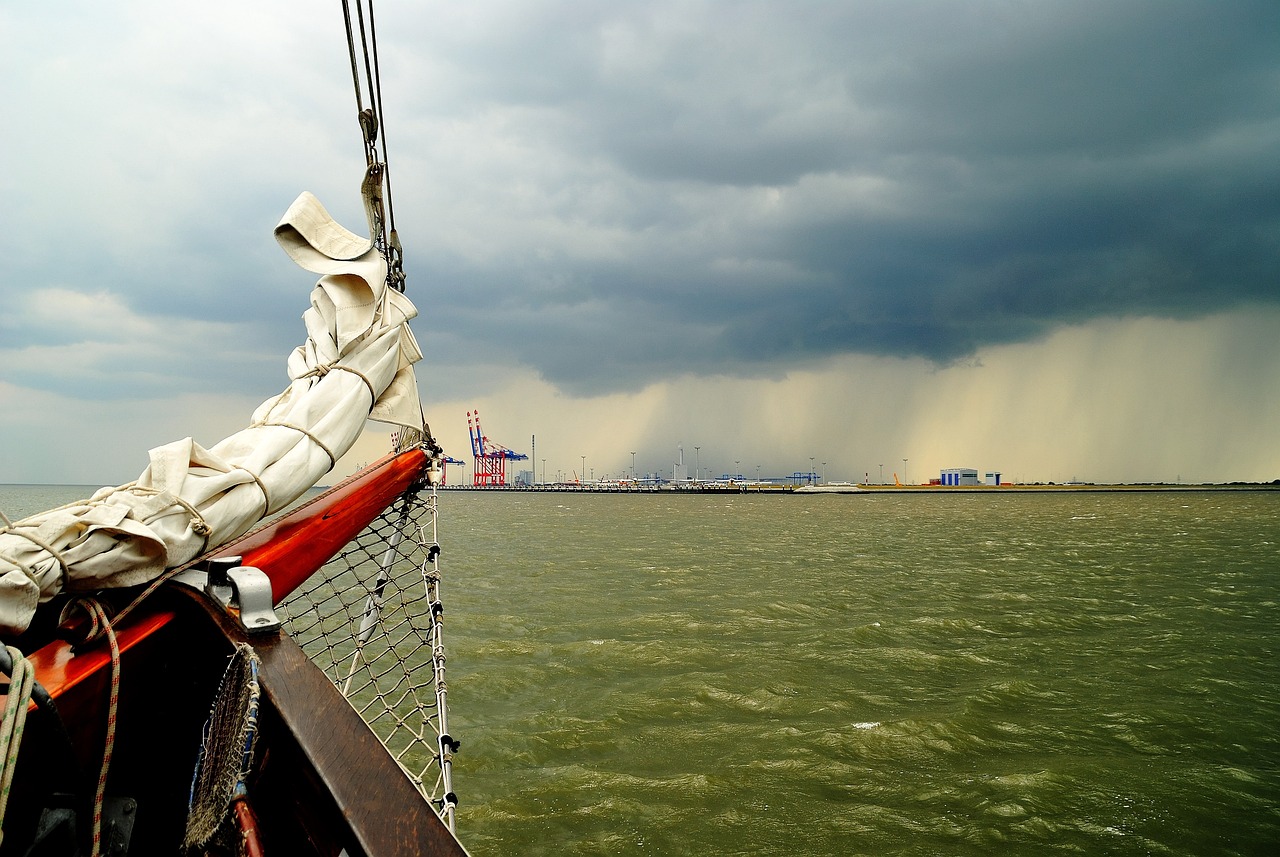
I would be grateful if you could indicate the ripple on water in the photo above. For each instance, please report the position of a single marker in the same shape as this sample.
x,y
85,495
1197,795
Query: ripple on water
x,y
923,675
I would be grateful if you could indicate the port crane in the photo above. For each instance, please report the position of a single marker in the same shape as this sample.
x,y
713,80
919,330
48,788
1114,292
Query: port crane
x,y
444,471
491,458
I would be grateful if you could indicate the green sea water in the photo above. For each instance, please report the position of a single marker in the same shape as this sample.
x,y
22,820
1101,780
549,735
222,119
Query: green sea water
x,y
834,675
936,674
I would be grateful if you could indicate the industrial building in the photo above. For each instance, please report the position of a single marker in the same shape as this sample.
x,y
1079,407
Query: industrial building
x,y
680,470
960,476
967,476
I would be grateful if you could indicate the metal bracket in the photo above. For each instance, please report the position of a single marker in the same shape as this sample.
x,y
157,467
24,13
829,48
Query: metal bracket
x,y
241,590
56,830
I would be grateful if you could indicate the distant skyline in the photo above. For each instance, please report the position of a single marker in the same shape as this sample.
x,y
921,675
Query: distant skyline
x,y
1041,239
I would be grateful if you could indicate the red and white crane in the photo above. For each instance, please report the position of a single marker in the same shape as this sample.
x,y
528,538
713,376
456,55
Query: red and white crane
x,y
491,458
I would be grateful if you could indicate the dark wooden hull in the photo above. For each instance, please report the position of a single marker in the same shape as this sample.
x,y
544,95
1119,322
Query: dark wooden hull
x,y
322,781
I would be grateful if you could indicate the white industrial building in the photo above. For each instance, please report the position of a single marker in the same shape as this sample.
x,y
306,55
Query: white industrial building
x,y
967,476
680,470
960,476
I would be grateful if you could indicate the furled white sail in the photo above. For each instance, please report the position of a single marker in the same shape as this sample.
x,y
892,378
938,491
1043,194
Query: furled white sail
x,y
356,364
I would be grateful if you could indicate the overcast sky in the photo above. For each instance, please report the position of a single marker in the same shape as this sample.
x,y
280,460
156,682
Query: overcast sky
x,y
1036,237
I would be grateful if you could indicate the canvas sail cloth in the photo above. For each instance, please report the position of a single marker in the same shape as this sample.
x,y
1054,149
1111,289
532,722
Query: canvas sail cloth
x,y
357,363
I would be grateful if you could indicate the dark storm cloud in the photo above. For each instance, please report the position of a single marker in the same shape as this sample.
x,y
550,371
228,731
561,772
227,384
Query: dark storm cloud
x,y
1006,168
614,194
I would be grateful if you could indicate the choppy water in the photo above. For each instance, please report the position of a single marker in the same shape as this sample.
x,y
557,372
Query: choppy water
x,y
19,501
835,675
831,675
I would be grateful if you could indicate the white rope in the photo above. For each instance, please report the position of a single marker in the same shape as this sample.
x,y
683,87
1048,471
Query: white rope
x,y
300,430
325,368
63,567
199,525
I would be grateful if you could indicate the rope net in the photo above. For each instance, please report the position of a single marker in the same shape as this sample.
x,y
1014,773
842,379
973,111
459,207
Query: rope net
x,y
372,619
226,755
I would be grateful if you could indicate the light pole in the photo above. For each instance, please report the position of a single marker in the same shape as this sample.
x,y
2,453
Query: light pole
x,y
757,473
582,478
904,471
811,470
697,471
881,474
633,464
736,474
544,471
824,472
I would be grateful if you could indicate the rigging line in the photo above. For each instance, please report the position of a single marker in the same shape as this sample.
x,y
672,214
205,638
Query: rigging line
x,y
376,96
373,126
369,121
351,51
392,251
364,45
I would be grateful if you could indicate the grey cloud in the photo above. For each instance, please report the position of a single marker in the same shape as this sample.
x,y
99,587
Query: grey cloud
x,y
584,189
1082,160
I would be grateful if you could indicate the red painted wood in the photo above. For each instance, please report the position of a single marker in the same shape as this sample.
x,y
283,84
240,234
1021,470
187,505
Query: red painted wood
x,y
163,648
289,550
292,548
59,670
250,838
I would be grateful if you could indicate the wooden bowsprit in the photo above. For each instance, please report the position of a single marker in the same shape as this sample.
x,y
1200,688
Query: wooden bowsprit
x,y
324,780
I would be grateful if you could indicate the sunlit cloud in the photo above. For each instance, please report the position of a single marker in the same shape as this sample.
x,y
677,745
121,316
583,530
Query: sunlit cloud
x,y
1119,401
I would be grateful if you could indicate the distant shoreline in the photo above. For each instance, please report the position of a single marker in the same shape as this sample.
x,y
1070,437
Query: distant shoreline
x,y
754,488
831,488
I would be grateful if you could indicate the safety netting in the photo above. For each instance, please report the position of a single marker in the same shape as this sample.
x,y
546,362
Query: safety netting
x,y
372,619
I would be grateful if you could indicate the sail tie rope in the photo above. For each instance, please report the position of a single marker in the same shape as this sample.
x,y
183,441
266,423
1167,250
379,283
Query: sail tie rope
x,y
325,368
266,498
63,568
199,525
301,430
